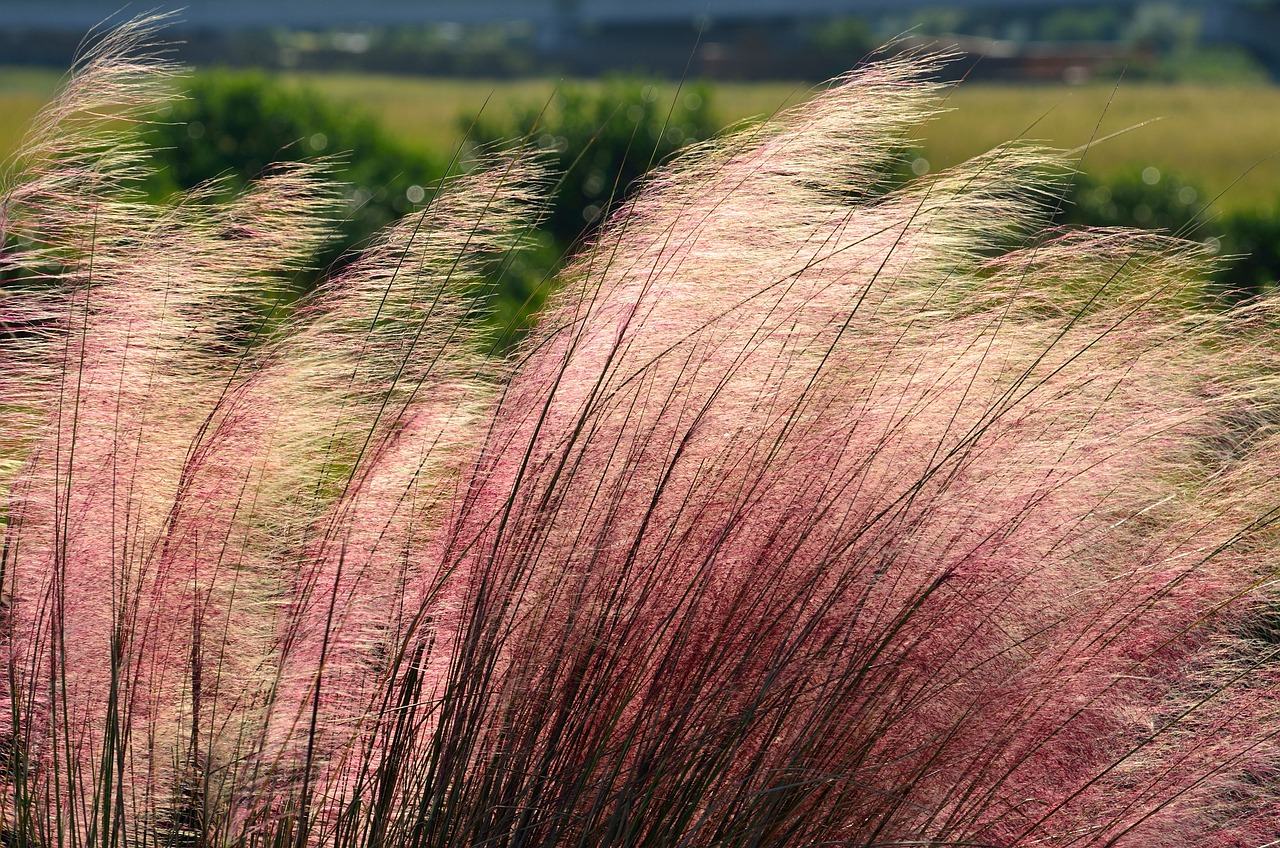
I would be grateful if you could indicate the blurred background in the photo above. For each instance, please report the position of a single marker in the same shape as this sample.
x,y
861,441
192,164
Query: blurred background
x,y
406,91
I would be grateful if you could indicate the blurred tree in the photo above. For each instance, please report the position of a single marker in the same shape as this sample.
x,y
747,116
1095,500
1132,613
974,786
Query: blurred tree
x,y
1164,27
599,141
1149,199
1142,198
1252,239
1197,64
836,45
233,125
1097,23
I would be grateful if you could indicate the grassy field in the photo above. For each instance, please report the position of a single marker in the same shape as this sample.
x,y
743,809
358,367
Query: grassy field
x,y
1224,139
22,92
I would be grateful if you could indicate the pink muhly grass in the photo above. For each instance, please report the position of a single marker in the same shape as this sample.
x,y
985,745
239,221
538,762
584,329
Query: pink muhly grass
x,y
812,512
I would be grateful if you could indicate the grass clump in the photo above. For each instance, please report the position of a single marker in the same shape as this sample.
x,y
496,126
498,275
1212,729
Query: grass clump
x,y
808,514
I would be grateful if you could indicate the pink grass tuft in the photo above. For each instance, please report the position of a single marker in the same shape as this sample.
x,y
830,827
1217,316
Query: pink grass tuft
x,y
812,512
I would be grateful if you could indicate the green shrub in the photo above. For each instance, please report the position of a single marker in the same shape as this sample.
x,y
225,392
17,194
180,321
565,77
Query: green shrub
x,y
597,141
1100,23
1149,199
1252,238
601,140
1142,198
1199,65
233,125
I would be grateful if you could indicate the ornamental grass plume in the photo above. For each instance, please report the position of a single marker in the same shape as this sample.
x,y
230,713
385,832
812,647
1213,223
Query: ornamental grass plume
x,y
814,511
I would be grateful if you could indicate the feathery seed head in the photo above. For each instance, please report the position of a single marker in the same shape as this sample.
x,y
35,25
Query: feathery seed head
x,y
812,511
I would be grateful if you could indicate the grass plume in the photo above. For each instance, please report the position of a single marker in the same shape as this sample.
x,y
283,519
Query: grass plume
x,y
813,512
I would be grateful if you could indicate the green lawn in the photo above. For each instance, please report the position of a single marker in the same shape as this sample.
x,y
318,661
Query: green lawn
x,y
1223,138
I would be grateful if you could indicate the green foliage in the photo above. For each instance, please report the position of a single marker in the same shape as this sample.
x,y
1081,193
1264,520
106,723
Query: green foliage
x,y
1252,238
942,21
1142,198
1100,23
1149,199
1217,65
492,50
1164,26
233,126
838,44
516,287
600,140
1168,42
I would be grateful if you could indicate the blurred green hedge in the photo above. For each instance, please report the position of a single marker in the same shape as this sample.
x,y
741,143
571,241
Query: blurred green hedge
x,y
231,126
598,141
